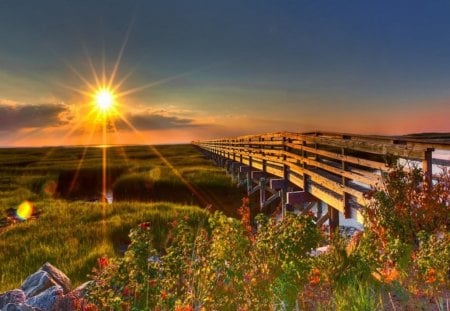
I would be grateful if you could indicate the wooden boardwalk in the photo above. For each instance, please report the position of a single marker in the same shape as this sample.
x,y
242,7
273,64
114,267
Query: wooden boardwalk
x,y
333,168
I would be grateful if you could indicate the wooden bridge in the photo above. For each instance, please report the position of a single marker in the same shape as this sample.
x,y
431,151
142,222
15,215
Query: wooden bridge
x,y
325,168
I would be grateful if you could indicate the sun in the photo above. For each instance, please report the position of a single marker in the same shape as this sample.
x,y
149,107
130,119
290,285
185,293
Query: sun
x,y
104,100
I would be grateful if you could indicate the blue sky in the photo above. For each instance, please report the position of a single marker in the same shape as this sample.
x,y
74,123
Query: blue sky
x,y
226,68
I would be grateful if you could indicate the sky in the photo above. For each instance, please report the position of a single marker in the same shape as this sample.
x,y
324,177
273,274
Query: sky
x,y
201,69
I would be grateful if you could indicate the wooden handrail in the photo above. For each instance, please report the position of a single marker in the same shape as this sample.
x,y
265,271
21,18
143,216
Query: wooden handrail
x,y
339,166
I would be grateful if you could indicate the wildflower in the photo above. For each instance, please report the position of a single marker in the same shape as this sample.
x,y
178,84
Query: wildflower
x,y
145,225
386,275
184,308
103,262
174,223
152,282
430,276
164,295
126,292
314,277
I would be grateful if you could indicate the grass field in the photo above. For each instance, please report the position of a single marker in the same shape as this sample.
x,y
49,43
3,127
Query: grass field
x,y
72,230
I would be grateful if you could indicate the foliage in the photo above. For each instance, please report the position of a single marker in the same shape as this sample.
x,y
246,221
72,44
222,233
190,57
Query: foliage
x,y
432,260
405,205
408,221
72,235
215,266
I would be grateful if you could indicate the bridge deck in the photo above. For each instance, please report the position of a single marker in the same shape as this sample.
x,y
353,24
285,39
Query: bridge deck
x,y
336,168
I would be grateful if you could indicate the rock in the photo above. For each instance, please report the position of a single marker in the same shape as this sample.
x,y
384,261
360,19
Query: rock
x,y
13,296
46,277
75,299
37,283
19,307
80,291
58,276
48,299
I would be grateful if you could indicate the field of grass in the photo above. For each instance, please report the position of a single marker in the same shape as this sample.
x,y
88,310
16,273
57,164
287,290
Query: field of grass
x,y
73,230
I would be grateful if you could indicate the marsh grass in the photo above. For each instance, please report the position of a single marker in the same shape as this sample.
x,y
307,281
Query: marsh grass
x,y
73,235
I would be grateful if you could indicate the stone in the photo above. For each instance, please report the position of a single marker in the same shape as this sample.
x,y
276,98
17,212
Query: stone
x,y
81,290
48,299
13,296
75,299
58,276
19,307
37,283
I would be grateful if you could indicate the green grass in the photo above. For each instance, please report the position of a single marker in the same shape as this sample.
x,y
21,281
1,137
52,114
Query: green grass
x,y
33,168
73,235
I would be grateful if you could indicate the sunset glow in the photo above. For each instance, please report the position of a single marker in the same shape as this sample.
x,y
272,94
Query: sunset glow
x,y
355,73
104,100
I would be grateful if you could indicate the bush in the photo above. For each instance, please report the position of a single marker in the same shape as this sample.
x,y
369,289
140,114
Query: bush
x,y
217,266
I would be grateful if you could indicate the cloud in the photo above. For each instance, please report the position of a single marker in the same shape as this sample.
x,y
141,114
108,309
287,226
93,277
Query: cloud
x,y
20,116
157,121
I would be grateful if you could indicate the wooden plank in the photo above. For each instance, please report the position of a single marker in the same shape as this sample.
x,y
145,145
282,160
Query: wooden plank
x,y
340,157
371,146
296,181
368,178
327,198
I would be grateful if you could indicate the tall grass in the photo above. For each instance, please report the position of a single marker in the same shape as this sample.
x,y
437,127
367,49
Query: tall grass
x,y
74,235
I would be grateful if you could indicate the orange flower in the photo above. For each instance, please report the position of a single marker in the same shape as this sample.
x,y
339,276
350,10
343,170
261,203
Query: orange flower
x,y
314,277
430,276
184,308
386,275
164,295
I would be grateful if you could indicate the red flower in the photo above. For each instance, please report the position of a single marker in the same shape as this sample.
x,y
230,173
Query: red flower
x,y
164,295
126,291
174,223
152,282
145,225
314,277
103,261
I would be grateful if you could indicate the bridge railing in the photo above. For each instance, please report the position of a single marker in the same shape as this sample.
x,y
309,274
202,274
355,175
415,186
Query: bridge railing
x,y
336,168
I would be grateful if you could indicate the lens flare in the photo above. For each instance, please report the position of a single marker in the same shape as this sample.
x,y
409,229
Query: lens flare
x,y
25,210
104,99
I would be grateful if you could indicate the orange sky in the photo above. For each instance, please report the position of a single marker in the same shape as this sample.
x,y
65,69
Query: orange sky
x,y
198,70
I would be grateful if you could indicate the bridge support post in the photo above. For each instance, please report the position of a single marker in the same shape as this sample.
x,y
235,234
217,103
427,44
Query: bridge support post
x,y
333,219
249,176
235,171
284,189
319,209
262,191
243,175
427,167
